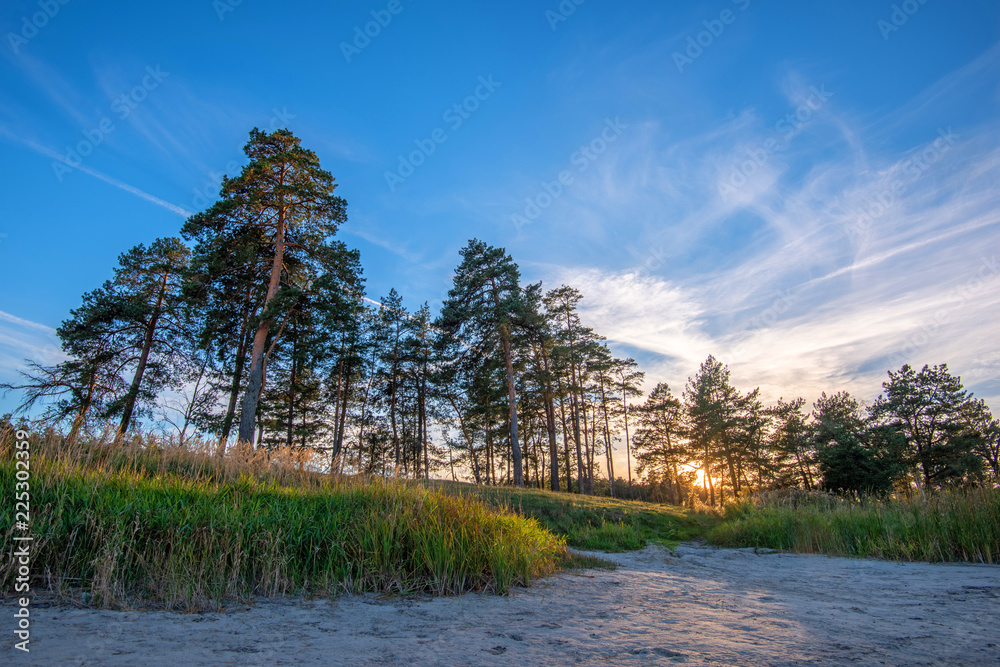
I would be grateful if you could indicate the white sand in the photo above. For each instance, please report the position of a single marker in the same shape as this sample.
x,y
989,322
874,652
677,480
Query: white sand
x,y
701,606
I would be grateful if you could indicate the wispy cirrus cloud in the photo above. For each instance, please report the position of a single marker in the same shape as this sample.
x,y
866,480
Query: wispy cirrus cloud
x,y
110,180
842,256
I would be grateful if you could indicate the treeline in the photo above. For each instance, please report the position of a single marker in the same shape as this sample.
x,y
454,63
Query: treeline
x,y
253,329
925,431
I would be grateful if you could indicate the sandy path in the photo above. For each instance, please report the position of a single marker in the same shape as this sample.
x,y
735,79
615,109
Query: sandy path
x,y
699,606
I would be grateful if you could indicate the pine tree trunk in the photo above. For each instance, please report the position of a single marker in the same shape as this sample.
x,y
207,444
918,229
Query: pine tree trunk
x,y
550,424
338,445
392,399
291,401
575,404
580,469
364,404
423,423
336,404
248,415
418,454
708,478
628,446
607,441
567,455
227,422
488,454
732,472
81,415
140,369
468,439
515,447
589,443
78,422
475,464
678,496
539,477
507,476
807,482
490,476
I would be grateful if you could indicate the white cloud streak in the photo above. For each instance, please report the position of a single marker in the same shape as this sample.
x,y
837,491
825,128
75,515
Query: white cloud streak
x,y
782,281
110,180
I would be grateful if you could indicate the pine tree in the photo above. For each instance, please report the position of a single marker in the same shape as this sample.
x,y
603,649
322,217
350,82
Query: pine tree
x,y
980,421
603,382
146,294
480,316
541,340
789,443
752,459
711,403
575,343
418,347
393,318
628,381
853,455
224,286
928,406
128,326
659,439
285,199
79,388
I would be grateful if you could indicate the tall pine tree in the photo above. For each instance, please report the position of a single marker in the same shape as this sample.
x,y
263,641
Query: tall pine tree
x,y
286,199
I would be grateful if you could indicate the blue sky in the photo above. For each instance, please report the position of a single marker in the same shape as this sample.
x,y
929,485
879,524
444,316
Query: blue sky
x,y
806,190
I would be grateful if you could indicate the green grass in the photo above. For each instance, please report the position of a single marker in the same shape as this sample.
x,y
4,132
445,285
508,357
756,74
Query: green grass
x,y
592,523
145,527
961,525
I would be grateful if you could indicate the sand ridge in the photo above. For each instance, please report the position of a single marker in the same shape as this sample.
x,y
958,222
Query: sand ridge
x,y
697,605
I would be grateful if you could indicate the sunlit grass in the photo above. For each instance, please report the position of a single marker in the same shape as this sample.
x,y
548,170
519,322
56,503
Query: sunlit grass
x,y
137,525
959,525
147,524
592,523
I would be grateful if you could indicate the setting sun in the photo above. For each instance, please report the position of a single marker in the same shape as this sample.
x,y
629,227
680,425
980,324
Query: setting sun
x,y
699,479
